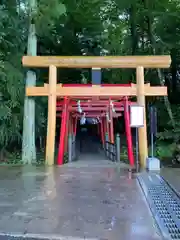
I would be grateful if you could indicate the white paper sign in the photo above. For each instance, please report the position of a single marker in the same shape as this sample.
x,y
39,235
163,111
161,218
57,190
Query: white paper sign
x,y
136,116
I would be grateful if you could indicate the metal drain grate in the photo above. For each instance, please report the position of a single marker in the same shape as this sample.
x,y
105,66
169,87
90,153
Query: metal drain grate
x,y
164,204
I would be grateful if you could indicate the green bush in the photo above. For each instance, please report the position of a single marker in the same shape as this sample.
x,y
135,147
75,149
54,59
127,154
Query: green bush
x,y
164,151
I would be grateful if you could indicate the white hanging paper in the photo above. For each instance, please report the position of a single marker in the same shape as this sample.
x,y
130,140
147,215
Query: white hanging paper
x,y
136,116
82,120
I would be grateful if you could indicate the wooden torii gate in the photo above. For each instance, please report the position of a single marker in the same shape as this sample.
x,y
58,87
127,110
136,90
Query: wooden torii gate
x,y
54,90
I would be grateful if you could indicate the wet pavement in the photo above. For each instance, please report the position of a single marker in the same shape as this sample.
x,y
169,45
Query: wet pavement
x,y
172,176
77,201
163,202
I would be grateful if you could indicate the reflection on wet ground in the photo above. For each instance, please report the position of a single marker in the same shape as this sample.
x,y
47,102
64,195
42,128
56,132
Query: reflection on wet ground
x,y
83,201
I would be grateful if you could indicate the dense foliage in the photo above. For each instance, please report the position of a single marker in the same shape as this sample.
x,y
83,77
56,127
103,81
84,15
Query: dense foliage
x,y
87,27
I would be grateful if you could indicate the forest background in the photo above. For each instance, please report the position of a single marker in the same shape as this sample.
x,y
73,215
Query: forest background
x,y
83,27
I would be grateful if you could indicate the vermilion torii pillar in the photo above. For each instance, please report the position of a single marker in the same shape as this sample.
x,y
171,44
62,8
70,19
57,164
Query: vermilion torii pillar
x,y
52,90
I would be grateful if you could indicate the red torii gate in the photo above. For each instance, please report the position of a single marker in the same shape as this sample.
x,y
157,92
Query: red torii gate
x,y
93,108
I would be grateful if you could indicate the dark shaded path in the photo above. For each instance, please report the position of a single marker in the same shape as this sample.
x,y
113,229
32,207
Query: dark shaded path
x,y
89,149
88,142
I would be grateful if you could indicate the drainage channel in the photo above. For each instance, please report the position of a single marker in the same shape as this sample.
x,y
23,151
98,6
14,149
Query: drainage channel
x,y
164,204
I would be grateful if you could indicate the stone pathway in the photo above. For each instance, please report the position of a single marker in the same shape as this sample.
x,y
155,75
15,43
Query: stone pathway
x,y
77,201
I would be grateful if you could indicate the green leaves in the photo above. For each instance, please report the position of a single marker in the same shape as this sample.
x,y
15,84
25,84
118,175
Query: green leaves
x,y
5,112
61,9
48,12
11,75
76,27
50,9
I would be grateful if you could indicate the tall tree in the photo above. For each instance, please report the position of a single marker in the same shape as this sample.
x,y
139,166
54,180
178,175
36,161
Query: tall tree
x,y
38,13
28,141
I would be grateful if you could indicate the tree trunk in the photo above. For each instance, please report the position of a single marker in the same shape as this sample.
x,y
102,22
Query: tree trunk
x,y
133,28
174,76
134,35
28,141
149,22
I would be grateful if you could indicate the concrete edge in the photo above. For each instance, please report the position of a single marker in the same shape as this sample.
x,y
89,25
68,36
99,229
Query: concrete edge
x,y
42,236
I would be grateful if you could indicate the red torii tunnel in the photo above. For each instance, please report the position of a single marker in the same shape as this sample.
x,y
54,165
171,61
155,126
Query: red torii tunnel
x,y
93,107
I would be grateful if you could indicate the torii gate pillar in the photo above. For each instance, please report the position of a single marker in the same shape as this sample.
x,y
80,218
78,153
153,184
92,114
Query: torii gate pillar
x,y
142,131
